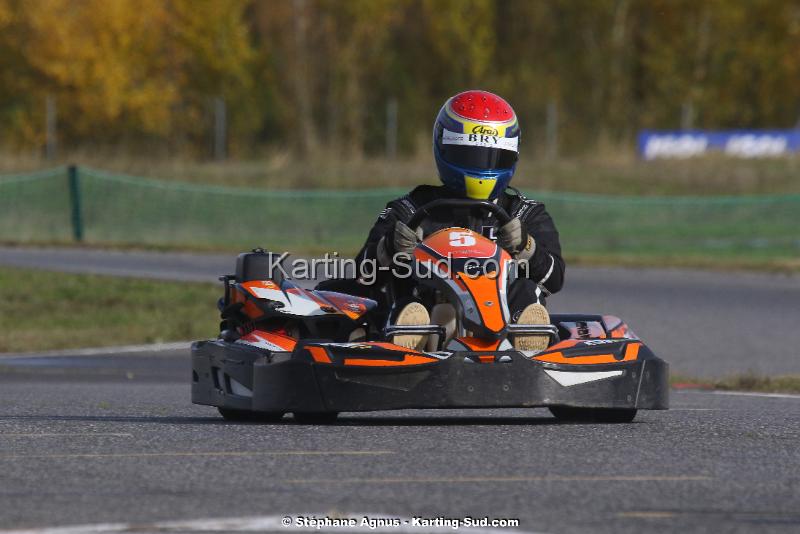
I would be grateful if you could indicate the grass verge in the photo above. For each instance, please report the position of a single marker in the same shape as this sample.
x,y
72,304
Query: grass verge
x,y
44,311
741,382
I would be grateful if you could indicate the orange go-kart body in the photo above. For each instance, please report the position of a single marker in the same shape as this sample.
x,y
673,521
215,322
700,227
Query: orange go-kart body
x,y
295,350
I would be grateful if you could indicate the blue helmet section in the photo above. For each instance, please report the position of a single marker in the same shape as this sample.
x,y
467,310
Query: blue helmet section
x,y
454,178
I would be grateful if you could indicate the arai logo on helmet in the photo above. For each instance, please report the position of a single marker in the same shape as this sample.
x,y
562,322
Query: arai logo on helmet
x,y
485,130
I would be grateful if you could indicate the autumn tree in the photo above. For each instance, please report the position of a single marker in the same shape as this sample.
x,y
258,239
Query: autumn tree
x,y
316,75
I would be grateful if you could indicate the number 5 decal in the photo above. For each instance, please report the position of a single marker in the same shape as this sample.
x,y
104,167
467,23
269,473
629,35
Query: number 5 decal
x,y
461,239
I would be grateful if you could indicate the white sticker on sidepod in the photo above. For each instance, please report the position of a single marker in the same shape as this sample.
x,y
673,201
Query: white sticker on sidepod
x,y
573,378
260,342
592,342
473,139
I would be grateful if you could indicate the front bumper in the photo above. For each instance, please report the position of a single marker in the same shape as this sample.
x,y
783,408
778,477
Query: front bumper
x,y
240,377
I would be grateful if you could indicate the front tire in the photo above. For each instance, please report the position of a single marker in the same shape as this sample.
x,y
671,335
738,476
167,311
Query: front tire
x,y
315,418
244,416
593,415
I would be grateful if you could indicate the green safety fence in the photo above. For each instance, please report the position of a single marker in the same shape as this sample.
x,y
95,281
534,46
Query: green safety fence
x,y
96,207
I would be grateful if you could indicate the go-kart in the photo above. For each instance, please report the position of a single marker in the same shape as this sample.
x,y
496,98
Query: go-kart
x,y
315,353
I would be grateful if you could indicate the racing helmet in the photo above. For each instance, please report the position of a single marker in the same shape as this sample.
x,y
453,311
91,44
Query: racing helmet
x,y
476,143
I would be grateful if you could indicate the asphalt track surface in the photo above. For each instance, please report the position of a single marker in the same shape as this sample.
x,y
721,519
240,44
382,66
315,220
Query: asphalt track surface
x,y
98,441
705,324
112,441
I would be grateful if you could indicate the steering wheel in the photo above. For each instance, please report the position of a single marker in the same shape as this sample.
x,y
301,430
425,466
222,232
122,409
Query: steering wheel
x,y
422,213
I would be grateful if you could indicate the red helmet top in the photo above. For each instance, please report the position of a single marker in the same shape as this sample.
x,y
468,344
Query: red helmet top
x,y
481,106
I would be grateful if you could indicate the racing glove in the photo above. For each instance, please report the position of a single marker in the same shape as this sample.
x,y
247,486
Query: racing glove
x,y
516,240
401,240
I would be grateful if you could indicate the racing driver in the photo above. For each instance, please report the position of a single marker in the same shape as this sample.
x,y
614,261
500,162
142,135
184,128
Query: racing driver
x,y
476,145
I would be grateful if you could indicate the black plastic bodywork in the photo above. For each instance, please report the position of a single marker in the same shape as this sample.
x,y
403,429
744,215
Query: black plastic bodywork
x,y
288,382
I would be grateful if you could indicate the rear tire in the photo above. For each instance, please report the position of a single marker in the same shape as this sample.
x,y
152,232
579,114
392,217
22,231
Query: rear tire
x,y
315,418
244,416
593,415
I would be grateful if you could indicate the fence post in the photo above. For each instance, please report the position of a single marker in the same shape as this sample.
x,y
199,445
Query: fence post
x,y
391,128
75,202
551,129
220,129
51,113
687,115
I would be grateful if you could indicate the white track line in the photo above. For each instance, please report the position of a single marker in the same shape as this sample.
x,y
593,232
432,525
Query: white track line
x,y
755,394
695,409
501,480
101,351
272,523
231,454
65,435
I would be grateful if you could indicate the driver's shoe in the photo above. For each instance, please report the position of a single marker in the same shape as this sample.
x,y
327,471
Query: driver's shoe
x,y
532,314
412,314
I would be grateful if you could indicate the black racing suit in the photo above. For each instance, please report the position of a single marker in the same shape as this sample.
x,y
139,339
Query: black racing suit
x,y
545,273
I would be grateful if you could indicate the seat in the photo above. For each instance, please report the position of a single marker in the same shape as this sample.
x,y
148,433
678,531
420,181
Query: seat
x,y
258,265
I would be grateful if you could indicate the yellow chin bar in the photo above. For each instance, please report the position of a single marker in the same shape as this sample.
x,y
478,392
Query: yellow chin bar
x,y
479,188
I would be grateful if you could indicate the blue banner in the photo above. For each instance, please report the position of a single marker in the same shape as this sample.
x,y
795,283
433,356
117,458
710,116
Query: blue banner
x,y
737,143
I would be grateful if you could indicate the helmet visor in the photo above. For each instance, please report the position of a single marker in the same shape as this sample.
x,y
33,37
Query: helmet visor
x,y
478,157
476,151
